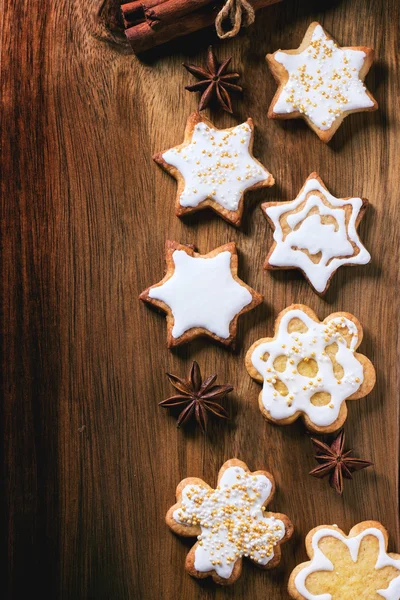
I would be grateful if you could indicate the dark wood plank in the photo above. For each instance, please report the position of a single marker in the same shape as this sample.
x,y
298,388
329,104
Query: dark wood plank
x,y
90,462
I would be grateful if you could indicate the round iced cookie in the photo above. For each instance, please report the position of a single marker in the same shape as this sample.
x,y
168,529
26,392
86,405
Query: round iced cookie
x,y
310,368
345,567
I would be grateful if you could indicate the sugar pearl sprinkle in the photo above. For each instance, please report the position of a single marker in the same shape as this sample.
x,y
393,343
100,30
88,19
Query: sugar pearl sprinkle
x,y
288,391
216,164
232,521
323,81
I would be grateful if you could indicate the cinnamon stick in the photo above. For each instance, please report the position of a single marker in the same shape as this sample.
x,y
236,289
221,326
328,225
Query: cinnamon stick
x,y
163,14
133,12
142,36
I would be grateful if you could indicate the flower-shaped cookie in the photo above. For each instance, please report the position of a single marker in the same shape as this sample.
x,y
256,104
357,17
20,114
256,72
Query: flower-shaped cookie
x,y
320,82
201,294
310,368
214,168
316,233
350,567
229,522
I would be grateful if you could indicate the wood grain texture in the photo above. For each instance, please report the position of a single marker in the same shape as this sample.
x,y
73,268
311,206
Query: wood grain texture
x,y
90,463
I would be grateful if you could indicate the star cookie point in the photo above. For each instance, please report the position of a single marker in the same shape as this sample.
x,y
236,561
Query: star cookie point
x,y
230,522
201,294
316,233
214,168
321,82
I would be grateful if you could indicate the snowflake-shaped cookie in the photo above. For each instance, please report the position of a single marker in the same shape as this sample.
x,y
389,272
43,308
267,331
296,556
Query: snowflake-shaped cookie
x,y
316,233
201,294
214,168
230,522
350,567
320,82
310,368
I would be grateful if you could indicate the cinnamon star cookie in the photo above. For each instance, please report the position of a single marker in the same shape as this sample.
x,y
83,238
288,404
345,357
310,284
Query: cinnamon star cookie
x,y
214,168
316,233
320,82
201,294
230,522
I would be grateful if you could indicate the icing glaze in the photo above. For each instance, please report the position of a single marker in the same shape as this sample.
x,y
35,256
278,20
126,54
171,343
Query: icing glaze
x,y
216,164
329,239
323,81
232,521
300,389
320,562
202,293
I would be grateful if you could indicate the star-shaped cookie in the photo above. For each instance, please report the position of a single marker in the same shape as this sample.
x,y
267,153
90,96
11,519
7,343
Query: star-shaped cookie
x,y
320,82
214,167
346,567
201,294
229,522
316,233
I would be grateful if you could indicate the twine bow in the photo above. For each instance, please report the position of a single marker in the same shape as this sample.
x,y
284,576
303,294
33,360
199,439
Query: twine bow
x,y
239,12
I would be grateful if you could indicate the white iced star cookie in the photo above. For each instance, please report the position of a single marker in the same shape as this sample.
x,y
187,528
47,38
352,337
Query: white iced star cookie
x,y
345,567
310,369
316,233
214,167
201,294
229,522
320,82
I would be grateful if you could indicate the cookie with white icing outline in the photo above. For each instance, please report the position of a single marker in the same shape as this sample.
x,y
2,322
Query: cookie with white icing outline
x,y
309,369
229,522
321,82
316,233
201,294
347,567
214,168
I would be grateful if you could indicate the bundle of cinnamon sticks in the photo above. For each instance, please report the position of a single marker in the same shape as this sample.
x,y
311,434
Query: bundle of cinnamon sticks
x,y
149,23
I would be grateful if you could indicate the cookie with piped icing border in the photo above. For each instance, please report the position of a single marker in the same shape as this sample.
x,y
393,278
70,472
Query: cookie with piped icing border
x,y
321,82
214,168
346,567
202,295
316,233
245,528
309,369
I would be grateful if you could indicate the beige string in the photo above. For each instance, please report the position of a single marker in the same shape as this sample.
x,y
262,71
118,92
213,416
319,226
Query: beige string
x,y
239,12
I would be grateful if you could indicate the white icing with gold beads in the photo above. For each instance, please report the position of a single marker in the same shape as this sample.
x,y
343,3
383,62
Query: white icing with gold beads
x,y
232,521
323,81
303,346
216,164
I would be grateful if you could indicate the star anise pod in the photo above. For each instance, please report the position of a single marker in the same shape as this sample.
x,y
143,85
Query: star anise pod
x,y
197,397
215,83
336,463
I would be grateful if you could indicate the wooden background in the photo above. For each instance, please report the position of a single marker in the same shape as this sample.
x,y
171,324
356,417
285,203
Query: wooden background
x,y
90,463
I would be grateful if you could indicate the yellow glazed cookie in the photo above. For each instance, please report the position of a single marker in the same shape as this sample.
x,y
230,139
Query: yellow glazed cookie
x,y
353,567
320,82
229,522
310,368
214,168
